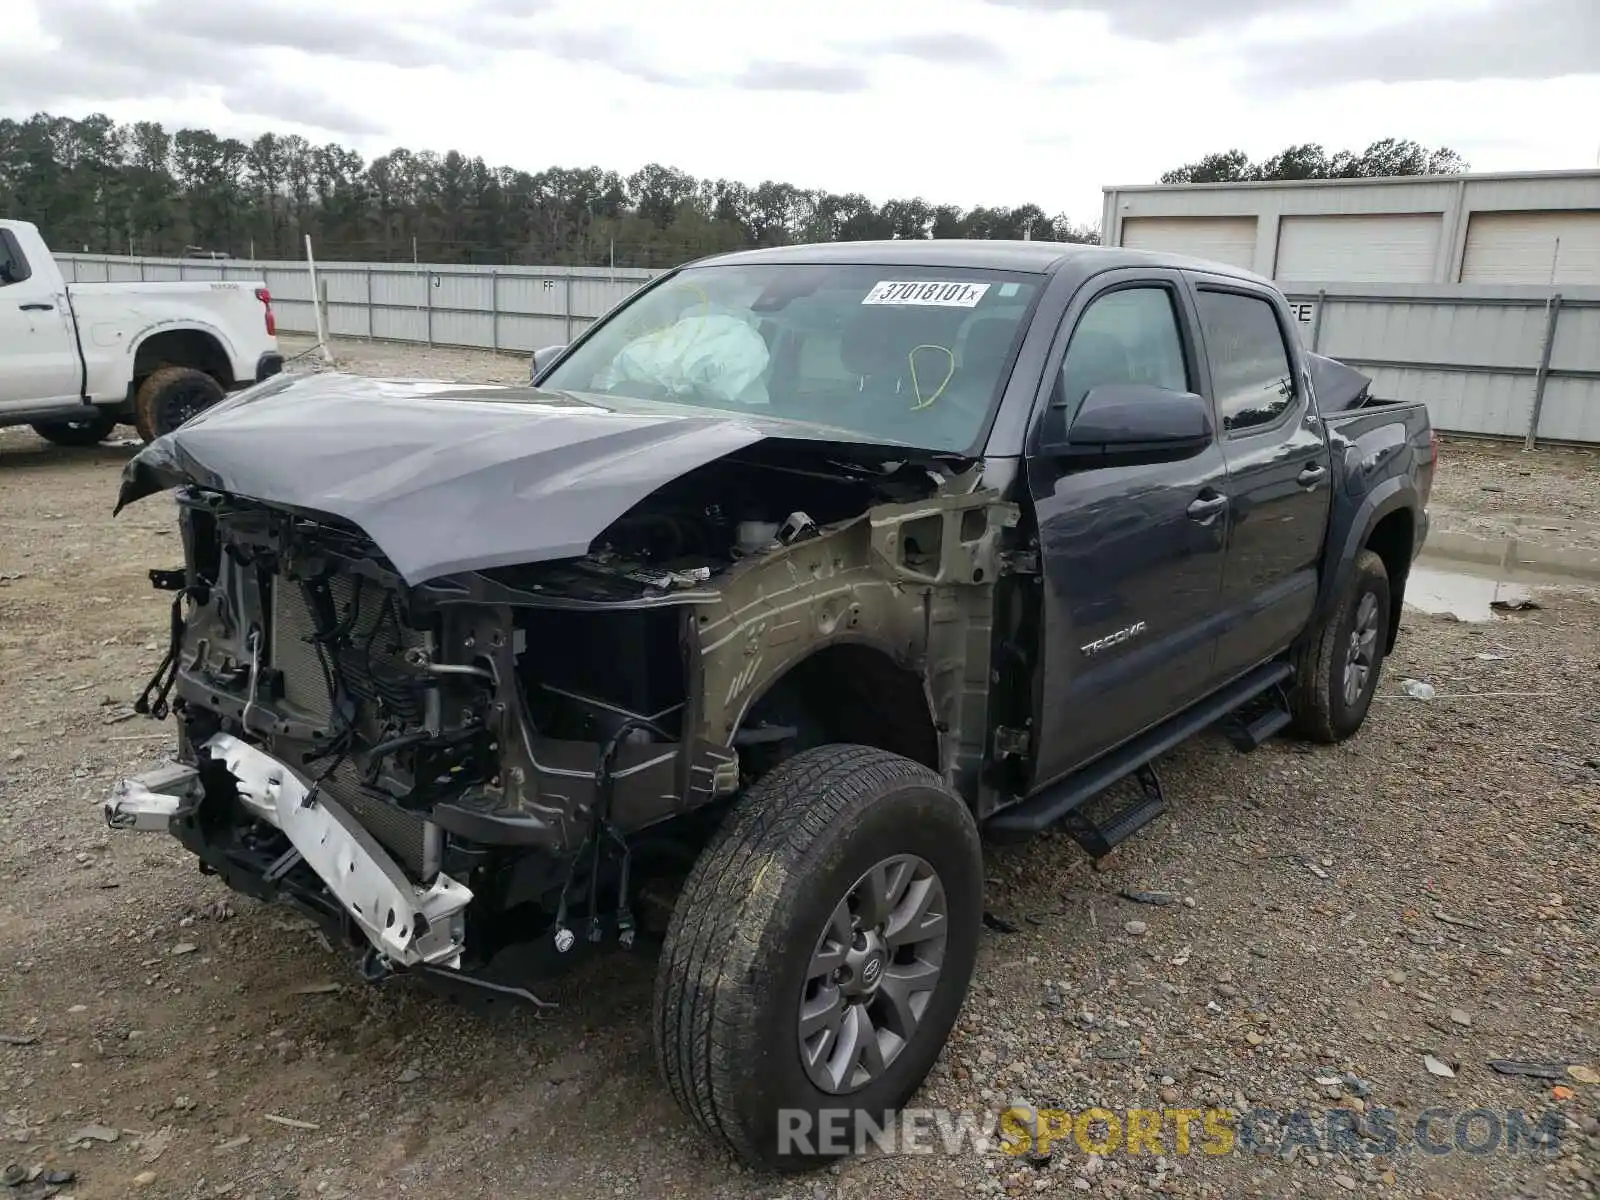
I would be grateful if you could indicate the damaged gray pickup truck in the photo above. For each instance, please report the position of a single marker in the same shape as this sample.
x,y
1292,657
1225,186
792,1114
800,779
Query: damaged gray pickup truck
x,y
739,627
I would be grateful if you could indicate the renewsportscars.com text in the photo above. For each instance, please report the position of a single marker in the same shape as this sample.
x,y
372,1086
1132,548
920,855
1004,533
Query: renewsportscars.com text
x,y
1023,1129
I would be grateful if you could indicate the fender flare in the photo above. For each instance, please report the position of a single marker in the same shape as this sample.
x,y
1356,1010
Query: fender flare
x,y
1388,497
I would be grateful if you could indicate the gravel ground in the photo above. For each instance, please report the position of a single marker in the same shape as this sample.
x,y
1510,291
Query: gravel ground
x,y
1546,497
1335,917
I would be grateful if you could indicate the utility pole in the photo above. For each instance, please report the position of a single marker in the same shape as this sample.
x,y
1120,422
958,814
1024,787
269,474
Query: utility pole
x,y
316,304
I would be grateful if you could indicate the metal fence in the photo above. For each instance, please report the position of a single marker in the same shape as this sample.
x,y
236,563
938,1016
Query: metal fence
x,y
496,308
1497,360
1501,361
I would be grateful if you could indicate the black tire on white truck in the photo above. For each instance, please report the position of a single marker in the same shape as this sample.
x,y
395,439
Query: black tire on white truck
x,y
169,396
91,430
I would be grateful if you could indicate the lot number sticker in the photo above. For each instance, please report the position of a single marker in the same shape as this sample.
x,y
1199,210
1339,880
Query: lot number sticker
x,y
927,292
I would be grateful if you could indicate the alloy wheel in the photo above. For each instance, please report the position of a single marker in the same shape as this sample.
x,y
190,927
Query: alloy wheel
x,y
1361,656
875,967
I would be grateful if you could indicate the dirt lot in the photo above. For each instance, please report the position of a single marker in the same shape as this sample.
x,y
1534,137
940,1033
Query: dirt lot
x,y
1429,888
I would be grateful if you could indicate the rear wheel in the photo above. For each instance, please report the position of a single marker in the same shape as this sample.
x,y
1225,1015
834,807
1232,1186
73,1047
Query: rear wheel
x,y
1336,672
819,953
169,397
89,431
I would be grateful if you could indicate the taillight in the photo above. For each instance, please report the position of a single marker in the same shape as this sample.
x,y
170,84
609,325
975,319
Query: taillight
x,y
266,302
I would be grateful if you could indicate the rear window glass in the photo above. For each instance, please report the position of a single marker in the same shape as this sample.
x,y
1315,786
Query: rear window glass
x,y
1250,370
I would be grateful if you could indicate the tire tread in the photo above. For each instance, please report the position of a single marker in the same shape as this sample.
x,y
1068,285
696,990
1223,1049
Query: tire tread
x,y
144,417
65,433
717,920
1311,695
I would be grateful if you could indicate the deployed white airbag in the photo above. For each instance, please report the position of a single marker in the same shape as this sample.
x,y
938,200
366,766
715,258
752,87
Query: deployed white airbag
x,y
713,354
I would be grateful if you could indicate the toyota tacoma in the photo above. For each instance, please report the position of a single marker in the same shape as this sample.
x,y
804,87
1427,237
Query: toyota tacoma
x,y
741,626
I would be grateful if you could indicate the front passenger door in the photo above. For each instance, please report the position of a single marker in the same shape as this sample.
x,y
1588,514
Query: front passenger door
x,y
39,366
1131,554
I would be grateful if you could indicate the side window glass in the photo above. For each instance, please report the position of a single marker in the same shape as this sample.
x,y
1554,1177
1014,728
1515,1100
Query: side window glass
x,y
13,267
1250,369
1126,336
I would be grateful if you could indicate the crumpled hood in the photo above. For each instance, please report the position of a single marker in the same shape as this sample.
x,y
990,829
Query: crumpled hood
x,y
443,477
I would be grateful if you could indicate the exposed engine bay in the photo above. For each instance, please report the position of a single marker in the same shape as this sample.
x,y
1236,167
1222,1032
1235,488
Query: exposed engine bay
x,y
530,746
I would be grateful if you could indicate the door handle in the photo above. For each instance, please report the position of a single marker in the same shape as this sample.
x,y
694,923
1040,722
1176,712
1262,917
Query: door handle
x,y
1205,509
1312,475
37,307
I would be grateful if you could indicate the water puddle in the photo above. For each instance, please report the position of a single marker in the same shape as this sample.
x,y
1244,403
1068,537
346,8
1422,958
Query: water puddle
x,y
1470,577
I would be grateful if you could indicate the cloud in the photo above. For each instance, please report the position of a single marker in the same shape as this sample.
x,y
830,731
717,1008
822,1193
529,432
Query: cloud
x,y
619,49
1493,39
1170,20
485,29
319,31
1515,39
158,52
159,30
35,83
30,81
174,50
774,76
167,43
947,49
171,49
614,49
273,99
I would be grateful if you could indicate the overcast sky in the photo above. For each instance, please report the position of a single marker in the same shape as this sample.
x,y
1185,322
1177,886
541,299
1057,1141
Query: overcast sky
x,y
960,101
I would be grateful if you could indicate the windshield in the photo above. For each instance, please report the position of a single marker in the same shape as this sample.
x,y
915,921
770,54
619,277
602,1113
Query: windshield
x,y
912,355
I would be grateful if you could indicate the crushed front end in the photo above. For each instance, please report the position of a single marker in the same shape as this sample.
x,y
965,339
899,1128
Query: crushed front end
x,y
475,690
382,755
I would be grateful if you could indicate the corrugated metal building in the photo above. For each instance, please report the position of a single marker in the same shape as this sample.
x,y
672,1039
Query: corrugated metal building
x,y
1478,294
1531,228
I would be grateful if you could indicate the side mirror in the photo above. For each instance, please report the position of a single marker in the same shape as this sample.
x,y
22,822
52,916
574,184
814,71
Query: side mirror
x,y
542,358
1132,422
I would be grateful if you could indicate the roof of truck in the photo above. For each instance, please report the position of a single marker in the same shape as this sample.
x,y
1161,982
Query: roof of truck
x,y
1038,257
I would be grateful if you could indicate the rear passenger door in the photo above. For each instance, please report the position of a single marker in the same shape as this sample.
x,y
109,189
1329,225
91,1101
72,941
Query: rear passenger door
x,y
1131,554
1278,470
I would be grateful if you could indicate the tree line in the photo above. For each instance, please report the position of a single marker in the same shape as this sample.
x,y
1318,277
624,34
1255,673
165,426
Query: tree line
x,y
1389,157
97,186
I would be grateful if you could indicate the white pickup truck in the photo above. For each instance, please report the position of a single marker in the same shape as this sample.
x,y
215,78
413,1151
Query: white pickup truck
x,y
78,360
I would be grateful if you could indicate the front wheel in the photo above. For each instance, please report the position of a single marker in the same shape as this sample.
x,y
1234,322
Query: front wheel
x,y
1336,672
91,430
819,954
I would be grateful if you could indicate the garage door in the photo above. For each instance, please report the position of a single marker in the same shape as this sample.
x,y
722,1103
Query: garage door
x,y
1387,248
1230,240
1529,247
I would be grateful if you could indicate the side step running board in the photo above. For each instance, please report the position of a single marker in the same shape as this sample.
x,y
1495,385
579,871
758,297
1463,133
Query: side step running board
x,y
1055,802
1258,721
1099,840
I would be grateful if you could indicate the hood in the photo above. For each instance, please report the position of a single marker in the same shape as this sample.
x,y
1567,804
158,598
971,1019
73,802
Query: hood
x,y
446,477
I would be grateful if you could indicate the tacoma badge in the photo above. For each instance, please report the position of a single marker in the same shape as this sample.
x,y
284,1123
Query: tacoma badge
x,y
1113,639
